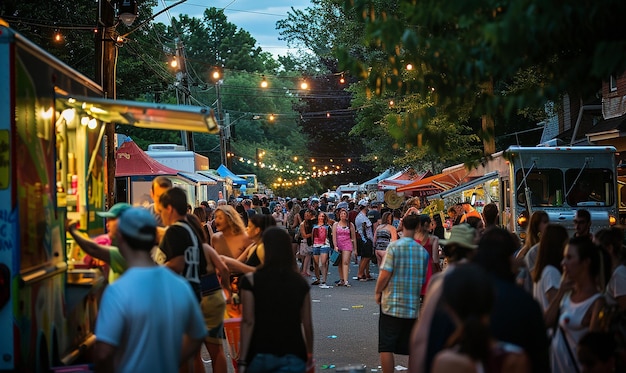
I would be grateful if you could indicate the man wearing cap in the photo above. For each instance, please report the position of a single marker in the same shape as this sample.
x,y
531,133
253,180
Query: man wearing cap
x,y
101,247
145,307
398,288
458,248
374,215
365,240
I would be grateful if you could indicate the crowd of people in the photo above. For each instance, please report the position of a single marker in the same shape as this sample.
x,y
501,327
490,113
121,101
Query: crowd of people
x,y
472,299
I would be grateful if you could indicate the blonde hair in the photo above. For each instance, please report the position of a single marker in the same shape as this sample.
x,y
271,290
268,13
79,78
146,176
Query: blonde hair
x,y
235,223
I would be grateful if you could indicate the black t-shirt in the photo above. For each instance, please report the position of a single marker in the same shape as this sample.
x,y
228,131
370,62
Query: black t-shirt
x,y
278,301
177,242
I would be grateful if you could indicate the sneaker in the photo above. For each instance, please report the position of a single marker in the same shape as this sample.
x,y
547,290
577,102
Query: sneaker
x,y
338,282
346,284
324,286
316,282
370,278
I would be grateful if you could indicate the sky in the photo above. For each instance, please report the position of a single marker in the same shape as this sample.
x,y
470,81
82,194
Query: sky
x,y
258,17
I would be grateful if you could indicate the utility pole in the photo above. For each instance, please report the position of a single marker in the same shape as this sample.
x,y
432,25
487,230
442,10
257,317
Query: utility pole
x,y
220,119
182,87
106,51
227,137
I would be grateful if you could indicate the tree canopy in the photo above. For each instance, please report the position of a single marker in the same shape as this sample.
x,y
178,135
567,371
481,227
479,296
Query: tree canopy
x,y
459,49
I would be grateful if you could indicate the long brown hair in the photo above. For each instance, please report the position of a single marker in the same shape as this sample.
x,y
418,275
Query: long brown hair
x,y
551,246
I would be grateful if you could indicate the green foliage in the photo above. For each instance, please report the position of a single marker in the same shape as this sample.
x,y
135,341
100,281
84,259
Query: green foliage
x,y
458,46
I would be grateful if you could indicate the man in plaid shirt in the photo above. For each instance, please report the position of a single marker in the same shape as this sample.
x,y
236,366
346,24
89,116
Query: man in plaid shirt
x,y
398,292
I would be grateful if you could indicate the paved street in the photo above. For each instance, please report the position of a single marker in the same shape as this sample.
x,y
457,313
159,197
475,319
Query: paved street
x,y
345,325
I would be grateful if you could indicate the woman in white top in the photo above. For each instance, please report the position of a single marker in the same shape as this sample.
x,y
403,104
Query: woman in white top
x,y
575,308
546,275
611,240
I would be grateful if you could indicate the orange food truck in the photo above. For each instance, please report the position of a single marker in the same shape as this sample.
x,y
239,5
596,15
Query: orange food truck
x,y
52,168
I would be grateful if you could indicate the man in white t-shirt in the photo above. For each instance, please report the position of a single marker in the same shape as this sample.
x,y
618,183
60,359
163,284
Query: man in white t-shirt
x,y
149,319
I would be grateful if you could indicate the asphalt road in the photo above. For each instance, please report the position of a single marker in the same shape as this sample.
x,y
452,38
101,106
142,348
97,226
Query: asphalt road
x,y
345,326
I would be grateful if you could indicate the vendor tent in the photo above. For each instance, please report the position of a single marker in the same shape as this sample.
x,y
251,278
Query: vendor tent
x,y
373,183
132,161
223,171
402,178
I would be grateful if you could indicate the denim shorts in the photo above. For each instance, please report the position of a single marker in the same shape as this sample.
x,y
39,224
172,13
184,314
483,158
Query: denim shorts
x,y
268,363
318,250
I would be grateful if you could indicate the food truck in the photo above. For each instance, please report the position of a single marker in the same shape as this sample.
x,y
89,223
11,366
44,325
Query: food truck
x,y
558,180
52,169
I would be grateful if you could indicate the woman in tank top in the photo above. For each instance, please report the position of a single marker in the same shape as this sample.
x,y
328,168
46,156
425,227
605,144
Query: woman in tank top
x,y
575,308
385,233
344,241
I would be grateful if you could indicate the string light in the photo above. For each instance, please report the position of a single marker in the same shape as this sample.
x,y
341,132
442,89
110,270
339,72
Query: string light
x,y
174,63
409,66
304,85
57,36
264,83
342,80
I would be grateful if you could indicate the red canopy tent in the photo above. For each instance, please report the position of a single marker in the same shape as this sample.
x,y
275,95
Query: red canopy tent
x,y
402,178
132,161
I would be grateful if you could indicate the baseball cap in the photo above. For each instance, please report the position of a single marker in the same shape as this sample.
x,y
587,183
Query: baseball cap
x,y
138,223
363,202
342,205
115,211
462,235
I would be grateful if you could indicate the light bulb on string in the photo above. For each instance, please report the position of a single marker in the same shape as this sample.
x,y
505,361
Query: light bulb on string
x,y
57,36
342,80
264,83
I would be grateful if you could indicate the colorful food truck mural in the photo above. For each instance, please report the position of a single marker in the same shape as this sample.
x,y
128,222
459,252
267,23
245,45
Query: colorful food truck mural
x,y
52,170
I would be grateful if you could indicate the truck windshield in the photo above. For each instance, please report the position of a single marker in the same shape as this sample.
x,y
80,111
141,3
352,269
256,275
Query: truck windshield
x,y
545,184
594,187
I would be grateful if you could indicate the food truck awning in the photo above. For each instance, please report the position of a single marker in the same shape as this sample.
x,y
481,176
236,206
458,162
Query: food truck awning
x,y
469,185
197,178
145,114
435,183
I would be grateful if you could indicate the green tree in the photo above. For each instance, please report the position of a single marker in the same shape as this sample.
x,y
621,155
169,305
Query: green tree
x,y
473,51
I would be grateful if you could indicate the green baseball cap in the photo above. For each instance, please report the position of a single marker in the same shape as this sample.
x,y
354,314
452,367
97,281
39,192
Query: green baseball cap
x,y
115,211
